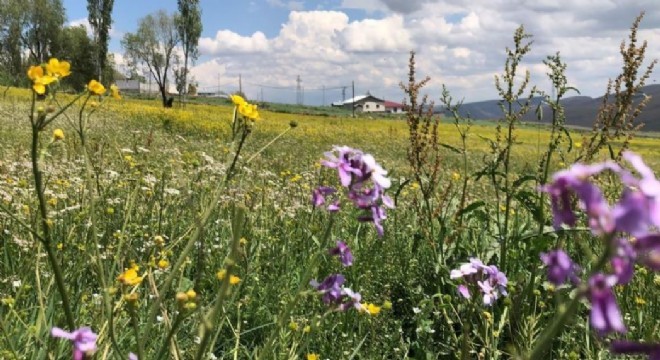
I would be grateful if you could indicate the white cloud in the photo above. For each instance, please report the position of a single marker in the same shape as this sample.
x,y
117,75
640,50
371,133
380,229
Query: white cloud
x,y
370,35
460,43
229,42
82,22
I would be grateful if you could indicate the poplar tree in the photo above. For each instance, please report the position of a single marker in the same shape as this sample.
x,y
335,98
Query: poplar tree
x,y
189,27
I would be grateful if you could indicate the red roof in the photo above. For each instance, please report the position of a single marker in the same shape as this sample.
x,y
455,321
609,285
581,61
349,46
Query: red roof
x,y
392,104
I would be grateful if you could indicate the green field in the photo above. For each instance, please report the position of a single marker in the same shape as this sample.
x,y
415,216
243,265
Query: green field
x,y
149,188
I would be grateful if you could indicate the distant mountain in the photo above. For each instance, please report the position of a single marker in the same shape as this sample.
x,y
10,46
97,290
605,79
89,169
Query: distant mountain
x,y
580,110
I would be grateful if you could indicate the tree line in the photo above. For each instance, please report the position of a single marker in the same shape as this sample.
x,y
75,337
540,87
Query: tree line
x,y
32,31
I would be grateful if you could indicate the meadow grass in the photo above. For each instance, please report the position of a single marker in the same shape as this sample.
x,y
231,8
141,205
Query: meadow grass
x,y
153,169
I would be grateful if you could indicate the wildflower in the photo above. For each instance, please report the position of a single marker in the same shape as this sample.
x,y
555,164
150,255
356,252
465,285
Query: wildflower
x,y
630,347
39,80
237,100
605,315
249,111
560,267
163,264
353,298
355,170
312,356
58,69
330,288
647,249
387,305
307,329
96,88
84,340
131,298
293,326
319,194
130,276
58,134
233,279
159,241
487,279
372,309
343,252
181,297
575,181
623,260
132,356
192,295
114,92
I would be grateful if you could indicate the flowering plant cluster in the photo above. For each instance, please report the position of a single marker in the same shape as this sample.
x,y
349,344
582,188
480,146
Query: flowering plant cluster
x,y
627,229
487,279
245,108
365,182
332,289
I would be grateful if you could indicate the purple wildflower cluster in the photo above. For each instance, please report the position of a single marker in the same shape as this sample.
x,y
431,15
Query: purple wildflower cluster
x,y
84,340
332,289
627,226
365,182
487,279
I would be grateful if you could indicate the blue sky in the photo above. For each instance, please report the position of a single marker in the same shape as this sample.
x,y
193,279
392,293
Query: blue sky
x,y
333,43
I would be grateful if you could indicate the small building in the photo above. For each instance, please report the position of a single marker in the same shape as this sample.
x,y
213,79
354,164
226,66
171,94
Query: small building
x,y
363,103
393,107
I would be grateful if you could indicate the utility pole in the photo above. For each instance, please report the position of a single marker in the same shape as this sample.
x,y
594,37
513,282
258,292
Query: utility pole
x,y
240,85
299,95
323,95
343,93
353,99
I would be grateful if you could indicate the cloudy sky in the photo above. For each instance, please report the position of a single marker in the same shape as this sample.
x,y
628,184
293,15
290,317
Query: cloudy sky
x,y
332,43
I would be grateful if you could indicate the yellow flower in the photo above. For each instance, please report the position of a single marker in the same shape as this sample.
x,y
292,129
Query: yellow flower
x,y
307,329
39,80
371,309
312,356
387,305
58,68
456,176
293,326
192,295
640,301
159,241
163,264
237,100
114,91
96,87
181,297
233,280
58,134
130,276
249,111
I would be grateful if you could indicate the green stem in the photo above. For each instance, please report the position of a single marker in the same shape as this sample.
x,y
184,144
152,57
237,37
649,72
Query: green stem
x,y
211,319
135,323
45,228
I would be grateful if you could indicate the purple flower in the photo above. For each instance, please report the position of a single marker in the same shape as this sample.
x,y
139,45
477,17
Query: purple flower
x,y
353,298
319,194
330,288
623,260
365,182
560,267
605,314
347,163
575,181
132,356
630,347
647,249
344,253
487,279
84,340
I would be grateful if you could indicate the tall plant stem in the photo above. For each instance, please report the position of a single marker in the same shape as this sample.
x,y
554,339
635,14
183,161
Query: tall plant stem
x,y
45,228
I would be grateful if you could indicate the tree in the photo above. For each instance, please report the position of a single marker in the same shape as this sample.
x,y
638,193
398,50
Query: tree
x,y
11,46
29,29
189,26
100,19
152,46
42,27
80,51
